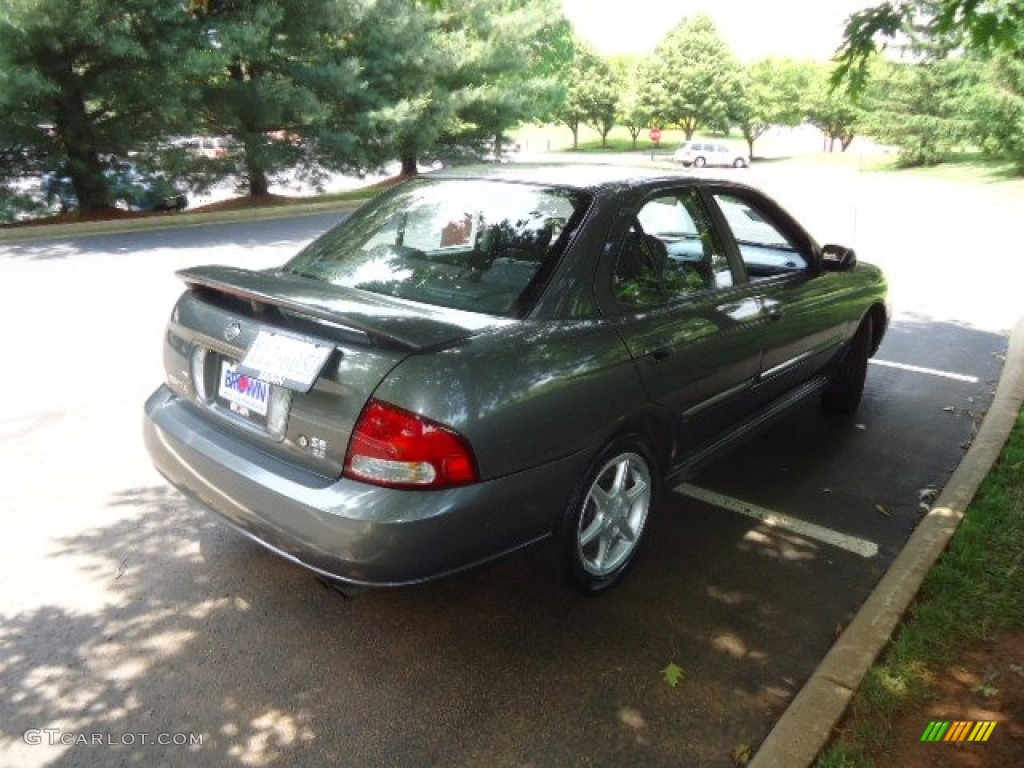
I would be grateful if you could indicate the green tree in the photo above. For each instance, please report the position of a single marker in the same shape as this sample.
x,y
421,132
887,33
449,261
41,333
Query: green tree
x,y
601,99
988,36
630,112
288,87
457,75
775,92
83,84
692,80
997,108
989,25
918,107
837,114
572,113
409,103
510,57
592,96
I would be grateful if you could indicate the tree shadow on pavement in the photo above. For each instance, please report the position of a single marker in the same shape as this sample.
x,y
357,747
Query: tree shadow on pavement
x,y
206,634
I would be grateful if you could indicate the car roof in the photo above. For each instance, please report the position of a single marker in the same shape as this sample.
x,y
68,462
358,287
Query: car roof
x,y
583,176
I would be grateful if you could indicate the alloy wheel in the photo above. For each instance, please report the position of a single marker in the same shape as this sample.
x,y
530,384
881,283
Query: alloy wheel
x,y
614,513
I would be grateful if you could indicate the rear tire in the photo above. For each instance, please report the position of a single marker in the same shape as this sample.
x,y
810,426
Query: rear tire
x,y
843,392
739,162
606,522
700,162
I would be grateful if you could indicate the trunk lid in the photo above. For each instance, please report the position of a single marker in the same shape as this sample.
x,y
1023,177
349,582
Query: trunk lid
x,y
359,337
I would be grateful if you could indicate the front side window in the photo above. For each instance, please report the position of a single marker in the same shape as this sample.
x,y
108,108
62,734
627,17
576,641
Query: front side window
x,y
670,252
764,247
471,245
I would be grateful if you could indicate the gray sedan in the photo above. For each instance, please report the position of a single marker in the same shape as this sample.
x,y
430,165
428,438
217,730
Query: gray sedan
x,y
481,359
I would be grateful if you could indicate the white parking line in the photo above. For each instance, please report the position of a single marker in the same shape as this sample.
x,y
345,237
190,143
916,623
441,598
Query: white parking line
x,y
929,371
857,546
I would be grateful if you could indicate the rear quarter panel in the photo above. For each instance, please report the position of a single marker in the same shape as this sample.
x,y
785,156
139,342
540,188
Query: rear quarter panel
x,y
524,396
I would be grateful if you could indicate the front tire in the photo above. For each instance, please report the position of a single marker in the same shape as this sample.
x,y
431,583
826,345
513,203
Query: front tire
x,y
700,162
843,392
739,162
607,521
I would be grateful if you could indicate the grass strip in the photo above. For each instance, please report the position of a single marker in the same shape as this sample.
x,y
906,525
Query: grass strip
x,y
975,591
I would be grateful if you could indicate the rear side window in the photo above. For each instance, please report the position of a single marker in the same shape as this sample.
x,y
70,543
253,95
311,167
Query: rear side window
x,y
464,244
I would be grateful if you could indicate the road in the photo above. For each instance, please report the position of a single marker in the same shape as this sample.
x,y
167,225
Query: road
x,y
129,612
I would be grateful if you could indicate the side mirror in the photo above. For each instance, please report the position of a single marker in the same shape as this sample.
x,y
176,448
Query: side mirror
x,y
838,258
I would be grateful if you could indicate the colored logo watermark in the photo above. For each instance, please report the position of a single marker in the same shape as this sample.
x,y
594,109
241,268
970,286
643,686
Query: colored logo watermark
x,y
958,730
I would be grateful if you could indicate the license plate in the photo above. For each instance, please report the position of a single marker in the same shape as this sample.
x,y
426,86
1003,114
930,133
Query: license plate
x,y
244,394
285,360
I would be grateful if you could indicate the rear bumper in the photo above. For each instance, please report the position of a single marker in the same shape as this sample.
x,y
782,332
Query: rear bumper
x,y
347,530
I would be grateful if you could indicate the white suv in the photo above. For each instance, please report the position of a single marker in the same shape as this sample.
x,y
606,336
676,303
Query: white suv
x,y
701,153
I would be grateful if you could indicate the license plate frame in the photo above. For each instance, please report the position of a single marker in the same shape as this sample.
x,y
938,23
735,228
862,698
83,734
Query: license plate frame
x,y
285,360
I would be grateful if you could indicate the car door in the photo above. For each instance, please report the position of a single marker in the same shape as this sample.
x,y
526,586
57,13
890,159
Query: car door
x,y
800,301
693,330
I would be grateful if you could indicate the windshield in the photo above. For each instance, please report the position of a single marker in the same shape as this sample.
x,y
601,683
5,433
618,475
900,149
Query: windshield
x,y
472,245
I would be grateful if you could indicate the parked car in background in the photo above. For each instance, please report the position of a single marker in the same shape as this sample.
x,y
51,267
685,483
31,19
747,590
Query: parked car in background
x,y
700,153
211,147
484,358
130,188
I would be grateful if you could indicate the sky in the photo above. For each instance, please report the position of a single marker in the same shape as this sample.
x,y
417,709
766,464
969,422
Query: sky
x,y
754,28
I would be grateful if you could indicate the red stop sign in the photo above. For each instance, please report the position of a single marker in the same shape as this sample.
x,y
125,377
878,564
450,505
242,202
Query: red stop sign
x,y
655,134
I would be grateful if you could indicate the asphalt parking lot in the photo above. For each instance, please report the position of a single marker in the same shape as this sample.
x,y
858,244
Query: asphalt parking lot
x,y
130,613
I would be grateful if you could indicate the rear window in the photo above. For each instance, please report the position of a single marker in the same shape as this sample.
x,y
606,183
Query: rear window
x,y
471,245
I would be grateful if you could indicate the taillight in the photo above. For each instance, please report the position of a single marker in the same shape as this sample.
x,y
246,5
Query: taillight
x,y
393,447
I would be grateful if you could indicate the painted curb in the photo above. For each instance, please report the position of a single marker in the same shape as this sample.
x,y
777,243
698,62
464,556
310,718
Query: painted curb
x,y
805,728
172,221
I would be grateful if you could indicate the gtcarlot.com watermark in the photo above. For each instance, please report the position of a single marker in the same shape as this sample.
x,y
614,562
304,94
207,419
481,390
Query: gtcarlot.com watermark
x,y
58,737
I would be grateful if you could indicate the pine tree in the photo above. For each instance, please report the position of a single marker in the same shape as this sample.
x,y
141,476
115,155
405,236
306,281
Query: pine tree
x,y
83,84
290,86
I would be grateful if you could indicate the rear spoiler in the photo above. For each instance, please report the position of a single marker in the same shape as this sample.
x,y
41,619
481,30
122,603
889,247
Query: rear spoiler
x,y
359,316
